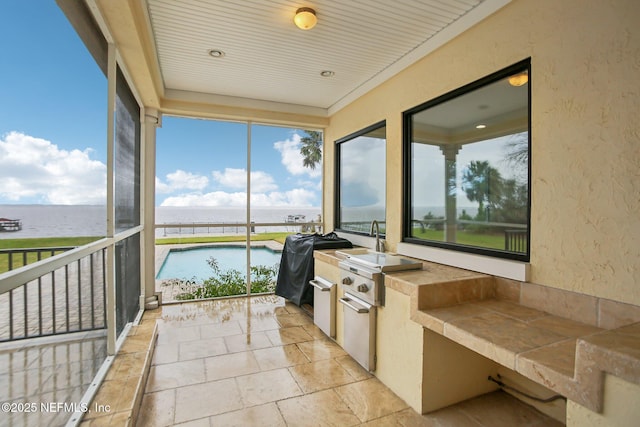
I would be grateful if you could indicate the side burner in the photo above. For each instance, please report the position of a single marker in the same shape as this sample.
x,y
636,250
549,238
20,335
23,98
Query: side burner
x,y
363,274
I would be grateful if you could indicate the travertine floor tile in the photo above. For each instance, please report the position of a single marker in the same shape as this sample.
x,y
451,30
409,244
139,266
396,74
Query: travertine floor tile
x,y
202,348
201,422
495,410
321,349
268,386
370,399
283,375
157,409
244,342
172,375
218,330
263,415
125,365
172,335
355,370
296,319
259,324
449,417
165,353
315,332
290,335
231,365
203,400
320,375
279,357
324,408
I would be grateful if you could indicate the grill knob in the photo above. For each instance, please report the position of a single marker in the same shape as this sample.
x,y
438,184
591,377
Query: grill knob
x,y
362,287
347,281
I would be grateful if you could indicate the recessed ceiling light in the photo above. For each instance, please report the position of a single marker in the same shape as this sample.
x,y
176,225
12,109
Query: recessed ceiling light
x,y
216,53
327,73
481,126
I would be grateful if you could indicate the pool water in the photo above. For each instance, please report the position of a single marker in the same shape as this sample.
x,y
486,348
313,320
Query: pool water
x,y
192,262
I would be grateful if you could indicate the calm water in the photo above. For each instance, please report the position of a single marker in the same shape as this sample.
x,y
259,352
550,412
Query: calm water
x,y
72,221
192,263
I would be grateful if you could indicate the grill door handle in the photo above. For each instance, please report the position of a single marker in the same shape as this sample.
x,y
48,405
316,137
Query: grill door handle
x,y
353,305
320,286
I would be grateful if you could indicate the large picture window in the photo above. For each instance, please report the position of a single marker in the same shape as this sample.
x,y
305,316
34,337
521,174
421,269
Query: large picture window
x,y
467,167
360,180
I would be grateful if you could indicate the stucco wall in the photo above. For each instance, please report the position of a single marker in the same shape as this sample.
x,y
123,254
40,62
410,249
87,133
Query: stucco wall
x,y
585,57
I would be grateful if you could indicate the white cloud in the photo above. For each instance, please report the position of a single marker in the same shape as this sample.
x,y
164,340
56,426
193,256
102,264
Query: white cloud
x,y
216,198
296,197
181,180
363,172
34,170
237,179
292,159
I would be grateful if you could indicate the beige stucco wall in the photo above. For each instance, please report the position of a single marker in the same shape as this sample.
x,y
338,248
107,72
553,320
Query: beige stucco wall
x,y
620,406
585,57
399,349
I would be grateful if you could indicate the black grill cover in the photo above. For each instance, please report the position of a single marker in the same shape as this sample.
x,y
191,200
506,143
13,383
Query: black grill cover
x,y
296,264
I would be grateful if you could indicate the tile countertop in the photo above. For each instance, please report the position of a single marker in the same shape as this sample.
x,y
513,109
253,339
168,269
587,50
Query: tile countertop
x,y
566,356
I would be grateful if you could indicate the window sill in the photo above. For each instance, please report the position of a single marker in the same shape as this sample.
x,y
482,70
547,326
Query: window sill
x,y
509,269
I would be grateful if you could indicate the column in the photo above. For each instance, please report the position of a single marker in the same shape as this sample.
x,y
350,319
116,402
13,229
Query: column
x,y
152,120
450,152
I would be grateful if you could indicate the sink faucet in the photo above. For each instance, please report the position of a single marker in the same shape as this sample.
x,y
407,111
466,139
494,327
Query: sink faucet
x,y
374,224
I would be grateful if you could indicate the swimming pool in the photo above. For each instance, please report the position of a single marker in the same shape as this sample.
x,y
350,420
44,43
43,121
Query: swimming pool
x,y
188,263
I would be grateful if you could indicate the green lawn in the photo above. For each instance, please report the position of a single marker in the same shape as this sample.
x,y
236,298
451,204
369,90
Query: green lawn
x,y
279,237
40,242
463,237
50,242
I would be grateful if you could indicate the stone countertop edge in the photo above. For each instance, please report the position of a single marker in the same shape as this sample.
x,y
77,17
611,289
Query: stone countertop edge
x,y
615,351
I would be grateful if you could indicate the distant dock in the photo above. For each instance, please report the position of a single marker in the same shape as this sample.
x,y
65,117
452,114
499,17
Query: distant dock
x,y
7,224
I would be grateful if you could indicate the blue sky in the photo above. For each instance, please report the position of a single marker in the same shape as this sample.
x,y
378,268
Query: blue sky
x,y
53,131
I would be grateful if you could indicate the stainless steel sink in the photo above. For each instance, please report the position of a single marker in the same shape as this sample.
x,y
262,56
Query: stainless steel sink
x,y
347,253
380,261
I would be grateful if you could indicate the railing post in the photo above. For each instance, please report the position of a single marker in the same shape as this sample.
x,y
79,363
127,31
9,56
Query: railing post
x,y
111,300
111,252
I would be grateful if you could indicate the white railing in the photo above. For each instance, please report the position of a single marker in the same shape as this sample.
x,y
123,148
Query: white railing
x,y
61,294
237,227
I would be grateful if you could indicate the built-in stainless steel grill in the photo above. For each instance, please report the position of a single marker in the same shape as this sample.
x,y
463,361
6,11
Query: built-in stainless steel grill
x,y
362,275
362,278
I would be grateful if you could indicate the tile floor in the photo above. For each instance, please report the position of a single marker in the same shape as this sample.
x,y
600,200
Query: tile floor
x,y
261,361
49,370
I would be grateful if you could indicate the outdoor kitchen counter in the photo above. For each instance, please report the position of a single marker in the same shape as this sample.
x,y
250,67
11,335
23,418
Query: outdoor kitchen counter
x,y
486,314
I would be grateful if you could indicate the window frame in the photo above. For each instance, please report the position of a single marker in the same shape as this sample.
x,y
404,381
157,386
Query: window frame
x,y
407,130
337,193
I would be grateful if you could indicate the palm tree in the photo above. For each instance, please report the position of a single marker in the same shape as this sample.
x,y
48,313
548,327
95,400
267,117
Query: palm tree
x,y
482,183
311,149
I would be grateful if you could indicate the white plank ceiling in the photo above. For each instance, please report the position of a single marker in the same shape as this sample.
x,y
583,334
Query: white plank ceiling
x,y
267,58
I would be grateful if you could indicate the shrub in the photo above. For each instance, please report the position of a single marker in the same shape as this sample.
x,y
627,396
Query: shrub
x,y
227,283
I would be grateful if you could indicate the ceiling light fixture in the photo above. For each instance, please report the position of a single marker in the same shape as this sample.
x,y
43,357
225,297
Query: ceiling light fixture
x,y
305,18
216,53
481,126
327,73
519,79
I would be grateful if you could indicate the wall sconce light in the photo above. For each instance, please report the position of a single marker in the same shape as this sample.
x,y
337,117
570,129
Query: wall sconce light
x,y
519,79
305,18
